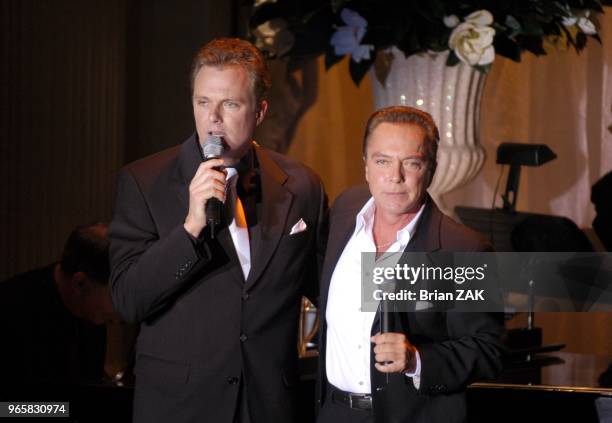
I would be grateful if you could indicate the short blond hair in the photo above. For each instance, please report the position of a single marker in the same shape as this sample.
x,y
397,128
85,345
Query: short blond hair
x,y
222,52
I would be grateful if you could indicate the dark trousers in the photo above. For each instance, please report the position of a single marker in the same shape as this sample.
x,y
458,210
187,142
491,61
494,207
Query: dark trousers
x,y
332,412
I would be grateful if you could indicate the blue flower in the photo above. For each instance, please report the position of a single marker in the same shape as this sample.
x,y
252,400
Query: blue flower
x,y
347,39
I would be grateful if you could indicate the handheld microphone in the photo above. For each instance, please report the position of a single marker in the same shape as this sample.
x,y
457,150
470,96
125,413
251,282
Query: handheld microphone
x,y
385,309
385,312
213,149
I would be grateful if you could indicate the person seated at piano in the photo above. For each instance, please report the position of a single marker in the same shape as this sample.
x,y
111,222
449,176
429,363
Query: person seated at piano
x,y
52,318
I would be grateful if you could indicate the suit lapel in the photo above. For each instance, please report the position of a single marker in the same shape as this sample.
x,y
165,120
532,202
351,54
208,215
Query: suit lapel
x,y
427,232
338,238
276,202
339,235
426,239
189,158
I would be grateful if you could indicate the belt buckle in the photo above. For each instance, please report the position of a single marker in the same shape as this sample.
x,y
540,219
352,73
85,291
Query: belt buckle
x,y
359,396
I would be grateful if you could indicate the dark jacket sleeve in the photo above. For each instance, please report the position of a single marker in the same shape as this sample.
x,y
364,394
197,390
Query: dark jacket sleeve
x,y
145,270
474,349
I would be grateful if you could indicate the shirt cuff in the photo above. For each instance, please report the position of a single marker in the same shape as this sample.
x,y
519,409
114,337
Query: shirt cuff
x,y
416,375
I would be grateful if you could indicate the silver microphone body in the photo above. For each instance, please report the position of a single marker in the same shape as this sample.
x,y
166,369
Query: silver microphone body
x,y
213,149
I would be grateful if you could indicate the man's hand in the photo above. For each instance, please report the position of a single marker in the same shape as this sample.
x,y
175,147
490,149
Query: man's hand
x,y
394,348
207,183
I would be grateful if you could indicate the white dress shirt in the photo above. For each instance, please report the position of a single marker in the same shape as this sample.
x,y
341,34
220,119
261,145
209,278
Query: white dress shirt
x,y
347,361
238,227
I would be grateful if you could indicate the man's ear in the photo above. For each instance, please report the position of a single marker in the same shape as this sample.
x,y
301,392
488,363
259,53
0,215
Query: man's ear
x,y
365,168
59,274
78,282
261,111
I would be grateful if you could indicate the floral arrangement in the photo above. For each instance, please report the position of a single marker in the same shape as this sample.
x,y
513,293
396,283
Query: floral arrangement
x,y
472,31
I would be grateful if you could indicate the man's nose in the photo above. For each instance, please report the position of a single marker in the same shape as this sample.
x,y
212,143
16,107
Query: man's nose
x,y
396,173
215,115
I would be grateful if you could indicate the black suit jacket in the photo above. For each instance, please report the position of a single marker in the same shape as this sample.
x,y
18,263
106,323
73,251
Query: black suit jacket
x,y
204,329
455,348
45,343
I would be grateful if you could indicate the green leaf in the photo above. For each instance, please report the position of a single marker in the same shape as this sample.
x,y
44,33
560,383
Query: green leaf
x,y
507,48
568,36
382,65
512,23
359,70
338,4
331,58
581,40
596,5
596,37
534,45
452,59
483,68
532,27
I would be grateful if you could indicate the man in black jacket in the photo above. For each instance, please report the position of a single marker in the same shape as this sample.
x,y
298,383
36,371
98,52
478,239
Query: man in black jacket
x,y
418,371
218,315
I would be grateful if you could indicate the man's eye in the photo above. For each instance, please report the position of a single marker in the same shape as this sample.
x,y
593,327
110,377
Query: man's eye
x,y
381,161
231,104
414,164
202,102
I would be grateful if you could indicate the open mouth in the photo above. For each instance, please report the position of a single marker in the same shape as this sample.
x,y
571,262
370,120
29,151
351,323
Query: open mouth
x,y
216,133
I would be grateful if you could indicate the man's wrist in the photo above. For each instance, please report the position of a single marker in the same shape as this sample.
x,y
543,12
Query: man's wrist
x,y
193,230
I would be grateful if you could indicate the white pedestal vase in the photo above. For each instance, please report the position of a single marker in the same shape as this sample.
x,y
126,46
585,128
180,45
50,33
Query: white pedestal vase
x,y
451,94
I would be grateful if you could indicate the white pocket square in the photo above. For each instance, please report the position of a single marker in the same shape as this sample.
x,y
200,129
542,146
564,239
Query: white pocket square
x,y
300,226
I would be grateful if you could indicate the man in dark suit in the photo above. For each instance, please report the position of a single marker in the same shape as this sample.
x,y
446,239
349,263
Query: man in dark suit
x,y
53,317
218,315
418,370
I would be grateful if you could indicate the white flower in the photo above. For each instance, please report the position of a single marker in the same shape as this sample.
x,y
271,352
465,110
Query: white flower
x,y
569,21
274,37
480,18
473,44
587,26
451,21
347,39
582,21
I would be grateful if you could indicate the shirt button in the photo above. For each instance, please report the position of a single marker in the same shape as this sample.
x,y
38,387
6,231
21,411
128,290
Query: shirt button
x,y
359,346
232,380
243,337
361,382
246,296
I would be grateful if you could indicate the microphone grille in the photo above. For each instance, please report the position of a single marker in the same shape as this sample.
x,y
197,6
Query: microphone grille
x,y
213,146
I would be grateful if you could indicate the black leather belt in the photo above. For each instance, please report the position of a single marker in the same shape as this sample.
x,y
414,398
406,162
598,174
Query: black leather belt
x,y
348,399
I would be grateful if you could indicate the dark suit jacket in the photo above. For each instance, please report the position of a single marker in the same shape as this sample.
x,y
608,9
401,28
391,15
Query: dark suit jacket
x,y
204,329
455,348
44,342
